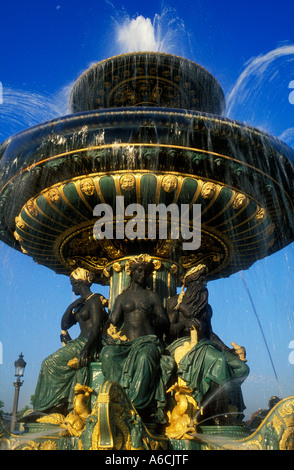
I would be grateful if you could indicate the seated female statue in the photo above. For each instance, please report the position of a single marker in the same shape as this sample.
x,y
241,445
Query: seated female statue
x,y
62,370
135,361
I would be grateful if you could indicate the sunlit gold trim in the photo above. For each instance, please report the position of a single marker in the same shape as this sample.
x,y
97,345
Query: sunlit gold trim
x,y
170,146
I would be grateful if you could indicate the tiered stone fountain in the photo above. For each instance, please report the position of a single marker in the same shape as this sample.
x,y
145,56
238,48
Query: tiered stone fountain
x,y
149,127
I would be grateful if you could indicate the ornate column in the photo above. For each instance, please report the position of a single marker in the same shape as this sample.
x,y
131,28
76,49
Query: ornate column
x,y
163,279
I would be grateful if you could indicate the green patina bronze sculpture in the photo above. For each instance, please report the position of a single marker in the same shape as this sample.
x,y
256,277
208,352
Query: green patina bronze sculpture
x,y
212,371
136,360
135,356
140,352
68,366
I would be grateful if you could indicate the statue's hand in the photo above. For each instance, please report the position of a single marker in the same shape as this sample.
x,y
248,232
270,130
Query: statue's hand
x,y
65,337
83,358
76,303
240,351
193,322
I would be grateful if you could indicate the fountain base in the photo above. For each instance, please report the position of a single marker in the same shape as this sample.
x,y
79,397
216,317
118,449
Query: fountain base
x,y
113,424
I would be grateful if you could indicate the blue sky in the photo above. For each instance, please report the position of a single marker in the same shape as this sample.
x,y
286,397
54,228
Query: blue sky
x,y
249,47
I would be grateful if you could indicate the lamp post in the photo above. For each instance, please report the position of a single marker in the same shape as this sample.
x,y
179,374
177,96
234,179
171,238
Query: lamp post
x,y
19,365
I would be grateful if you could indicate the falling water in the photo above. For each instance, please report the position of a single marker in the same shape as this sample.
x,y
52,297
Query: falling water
x,y
262,93
22,109
261,329
262,97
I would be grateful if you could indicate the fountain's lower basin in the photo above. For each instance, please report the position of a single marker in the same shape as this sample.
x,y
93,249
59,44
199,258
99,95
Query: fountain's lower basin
x,y
53,175
114,425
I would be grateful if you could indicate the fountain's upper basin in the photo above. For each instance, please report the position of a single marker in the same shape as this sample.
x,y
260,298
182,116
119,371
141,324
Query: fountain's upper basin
x,y
147,79
248,215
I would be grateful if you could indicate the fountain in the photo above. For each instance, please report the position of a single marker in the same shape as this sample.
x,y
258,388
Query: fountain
x,y
148,129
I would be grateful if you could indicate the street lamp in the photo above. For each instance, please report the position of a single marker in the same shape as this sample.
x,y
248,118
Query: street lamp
x,y
19,365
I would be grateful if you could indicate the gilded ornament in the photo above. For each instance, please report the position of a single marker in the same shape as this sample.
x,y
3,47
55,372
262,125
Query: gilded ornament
x,y
127,182
239,201
95,262
31,208
53,418
17,236
173,269
208,190
169,183
87,186
53,195
19,222
287,409
217,257
181,424
240,351
117,267
277,424
73,363
106,273
104,300
254,444
31,445
181,418
287,439
116,424
71,262
81,274
157,264
104,398
73,422
112,331
49,445
261,215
